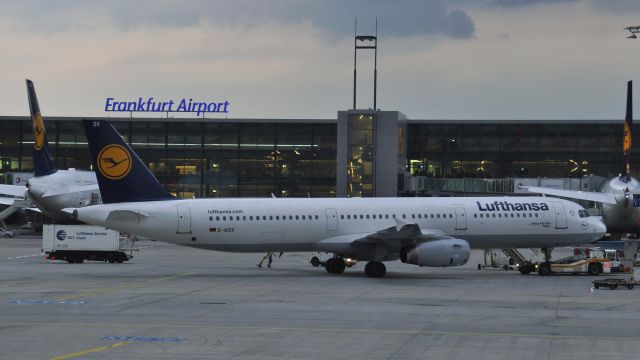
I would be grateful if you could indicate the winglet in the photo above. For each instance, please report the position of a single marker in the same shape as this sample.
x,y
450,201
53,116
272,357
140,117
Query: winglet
x,y
42,161
122,176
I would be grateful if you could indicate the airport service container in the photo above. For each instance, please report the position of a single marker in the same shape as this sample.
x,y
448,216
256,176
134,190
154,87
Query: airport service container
x,y
76,243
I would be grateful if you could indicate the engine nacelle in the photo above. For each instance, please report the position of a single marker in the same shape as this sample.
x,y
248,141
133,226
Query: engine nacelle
x,y
438,253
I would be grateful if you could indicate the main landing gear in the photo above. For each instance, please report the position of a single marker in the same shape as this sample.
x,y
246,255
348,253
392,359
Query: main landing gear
x,y
374,269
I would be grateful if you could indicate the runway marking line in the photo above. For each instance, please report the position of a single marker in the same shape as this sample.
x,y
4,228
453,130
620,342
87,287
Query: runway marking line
x,y
120,287
89,351
391,332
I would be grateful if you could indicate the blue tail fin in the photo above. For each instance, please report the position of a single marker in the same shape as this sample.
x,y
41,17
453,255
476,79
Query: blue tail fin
x,y
122,176
42,161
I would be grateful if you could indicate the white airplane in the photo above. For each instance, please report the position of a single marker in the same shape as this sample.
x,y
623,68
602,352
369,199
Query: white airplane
x,y
421,231
52,190
619,196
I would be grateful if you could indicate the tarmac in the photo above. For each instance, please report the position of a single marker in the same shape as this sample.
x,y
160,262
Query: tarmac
x,y
172,302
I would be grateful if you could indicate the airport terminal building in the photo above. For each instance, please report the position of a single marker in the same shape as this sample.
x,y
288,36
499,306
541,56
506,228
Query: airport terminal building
x,y
361,153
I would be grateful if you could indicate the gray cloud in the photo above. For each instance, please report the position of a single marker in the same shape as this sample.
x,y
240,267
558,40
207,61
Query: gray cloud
x,y
516,3
334,17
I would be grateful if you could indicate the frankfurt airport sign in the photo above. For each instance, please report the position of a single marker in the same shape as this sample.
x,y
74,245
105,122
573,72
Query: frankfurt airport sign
x,y
152,105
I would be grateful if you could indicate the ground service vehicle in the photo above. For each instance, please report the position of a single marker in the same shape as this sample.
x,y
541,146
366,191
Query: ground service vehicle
x,y
576,264
76,243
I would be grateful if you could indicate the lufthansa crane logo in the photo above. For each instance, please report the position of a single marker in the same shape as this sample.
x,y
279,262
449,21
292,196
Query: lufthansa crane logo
x,y
38,132
114,162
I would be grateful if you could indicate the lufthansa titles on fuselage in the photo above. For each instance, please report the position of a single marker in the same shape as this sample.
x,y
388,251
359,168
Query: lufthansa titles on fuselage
x,y
511,206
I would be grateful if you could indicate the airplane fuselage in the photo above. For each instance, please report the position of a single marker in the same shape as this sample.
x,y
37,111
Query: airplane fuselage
x,y
621,217
255,225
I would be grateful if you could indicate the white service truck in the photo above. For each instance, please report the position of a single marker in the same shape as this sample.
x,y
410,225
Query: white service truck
x,y
77,243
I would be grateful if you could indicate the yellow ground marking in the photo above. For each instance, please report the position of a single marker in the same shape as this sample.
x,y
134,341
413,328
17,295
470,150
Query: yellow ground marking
x,y
85,352
120,287
365,331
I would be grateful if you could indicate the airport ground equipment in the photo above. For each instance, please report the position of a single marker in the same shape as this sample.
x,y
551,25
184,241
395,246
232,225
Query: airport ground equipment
x,y
76,243
613,283
575,264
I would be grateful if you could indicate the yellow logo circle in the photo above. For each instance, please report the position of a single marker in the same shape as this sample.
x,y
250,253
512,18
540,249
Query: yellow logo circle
x,y
38,132
114,162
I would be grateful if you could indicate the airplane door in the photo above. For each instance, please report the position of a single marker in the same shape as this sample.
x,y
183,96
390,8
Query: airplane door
x,y
332,220
184,219
461,219
561,216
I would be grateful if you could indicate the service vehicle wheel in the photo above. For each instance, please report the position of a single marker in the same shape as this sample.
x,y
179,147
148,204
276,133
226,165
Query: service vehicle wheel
x,y
315,261
594,269
596,286
630,286
7,236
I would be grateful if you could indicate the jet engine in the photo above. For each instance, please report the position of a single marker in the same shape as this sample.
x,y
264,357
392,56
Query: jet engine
x,y
437,253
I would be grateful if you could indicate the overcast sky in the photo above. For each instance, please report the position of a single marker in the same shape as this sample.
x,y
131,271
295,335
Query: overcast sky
x,y
437,59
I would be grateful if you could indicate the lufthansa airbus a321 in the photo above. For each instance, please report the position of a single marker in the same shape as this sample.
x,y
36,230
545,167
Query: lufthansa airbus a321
x,y
435,232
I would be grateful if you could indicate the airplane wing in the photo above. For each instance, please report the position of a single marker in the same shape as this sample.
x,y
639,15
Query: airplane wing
x,y
385,244
6,200
12,190
605,198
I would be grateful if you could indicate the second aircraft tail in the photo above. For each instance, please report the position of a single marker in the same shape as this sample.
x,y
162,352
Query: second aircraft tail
x,y
122,176
42,161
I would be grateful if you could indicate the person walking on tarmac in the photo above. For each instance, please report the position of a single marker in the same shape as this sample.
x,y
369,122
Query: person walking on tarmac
x,y
269,256
266,256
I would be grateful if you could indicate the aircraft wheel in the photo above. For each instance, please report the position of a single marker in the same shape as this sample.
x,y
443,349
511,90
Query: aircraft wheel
x,y
525,268
544,268
315,261
594,269
335,266
375,269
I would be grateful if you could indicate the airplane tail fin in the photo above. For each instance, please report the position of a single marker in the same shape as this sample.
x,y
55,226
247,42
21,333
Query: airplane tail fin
x,y
42,161
628,126
122,176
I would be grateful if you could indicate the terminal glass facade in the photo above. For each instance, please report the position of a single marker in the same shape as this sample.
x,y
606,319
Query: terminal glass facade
x,y
297,158
199,158
492,149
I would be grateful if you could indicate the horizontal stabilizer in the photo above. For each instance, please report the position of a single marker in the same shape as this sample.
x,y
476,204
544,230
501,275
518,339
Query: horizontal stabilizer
x,y
13,190
605,198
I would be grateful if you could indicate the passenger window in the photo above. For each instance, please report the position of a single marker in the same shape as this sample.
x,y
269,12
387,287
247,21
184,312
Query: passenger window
x,y
493,215
404,216
348,217
361,216
451,216
264,217
316,217
303,218
475,215
224,218
536,214
432,216
373,216
386,216
217,218
367,216
342,217
297,217
251,218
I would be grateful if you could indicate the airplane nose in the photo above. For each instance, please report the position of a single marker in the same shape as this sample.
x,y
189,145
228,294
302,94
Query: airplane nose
x,y
600,227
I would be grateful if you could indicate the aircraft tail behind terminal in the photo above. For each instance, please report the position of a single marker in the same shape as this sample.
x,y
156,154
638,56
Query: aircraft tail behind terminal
x,y
42,161
121,174
628,127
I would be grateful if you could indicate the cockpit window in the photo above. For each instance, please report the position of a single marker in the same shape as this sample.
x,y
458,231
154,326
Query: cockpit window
x,y
583,213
